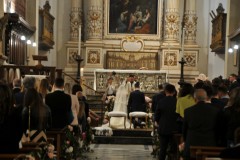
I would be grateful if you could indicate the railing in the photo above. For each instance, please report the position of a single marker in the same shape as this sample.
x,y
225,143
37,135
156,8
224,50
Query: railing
x,y
9,72
94,115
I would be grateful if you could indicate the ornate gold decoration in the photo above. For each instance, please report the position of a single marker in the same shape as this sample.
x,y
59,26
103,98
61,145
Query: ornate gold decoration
x,y
149,80
170,59
94,27
190,24
132,60
75,22
72,54
171,24
191,59
132,43
93,56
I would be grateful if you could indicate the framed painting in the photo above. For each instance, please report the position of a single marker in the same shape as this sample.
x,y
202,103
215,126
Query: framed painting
x,y
132,17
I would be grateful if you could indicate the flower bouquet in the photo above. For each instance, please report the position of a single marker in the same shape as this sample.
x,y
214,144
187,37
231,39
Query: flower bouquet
x,y
72,145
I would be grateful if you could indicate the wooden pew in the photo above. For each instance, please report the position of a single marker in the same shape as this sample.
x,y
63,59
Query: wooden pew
x,y
201,152
26,149
219,159
57,136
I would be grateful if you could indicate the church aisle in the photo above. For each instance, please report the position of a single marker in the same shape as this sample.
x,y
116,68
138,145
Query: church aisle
x,y
120,152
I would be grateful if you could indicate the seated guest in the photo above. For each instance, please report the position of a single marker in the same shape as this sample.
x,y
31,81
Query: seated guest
x,y
233,152
223,94
60,105
200,123
166,117
232,116
10,122
40,116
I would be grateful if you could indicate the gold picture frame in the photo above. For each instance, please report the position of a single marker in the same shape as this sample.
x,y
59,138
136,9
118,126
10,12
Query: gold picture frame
x,y
118,27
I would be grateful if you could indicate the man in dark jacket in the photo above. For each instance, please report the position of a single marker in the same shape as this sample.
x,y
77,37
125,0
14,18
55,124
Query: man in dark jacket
x,y
60,105
200,123
166,118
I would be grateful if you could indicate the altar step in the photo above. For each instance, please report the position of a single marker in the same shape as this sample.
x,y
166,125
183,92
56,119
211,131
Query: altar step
x,y
127,136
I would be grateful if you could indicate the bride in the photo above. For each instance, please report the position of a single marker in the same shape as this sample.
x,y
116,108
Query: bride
x,y
120,105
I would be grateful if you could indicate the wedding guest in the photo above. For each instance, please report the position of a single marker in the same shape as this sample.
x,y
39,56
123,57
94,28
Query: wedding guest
x,y
77,90
198,119
157,97
233,82
40,116
82,120
16,86
75,103
233,152
10,122
165,116
223,94
111,89
60,105
44,88
185,98
232,115
28,82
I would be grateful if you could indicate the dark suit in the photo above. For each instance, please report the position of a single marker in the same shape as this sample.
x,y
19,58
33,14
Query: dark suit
x,y
19,97
60,105
166,117
136,101
16,90
233,153
200,125
155,100
233,85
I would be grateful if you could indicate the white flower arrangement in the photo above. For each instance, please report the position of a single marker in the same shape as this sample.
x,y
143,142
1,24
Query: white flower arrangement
x,y
69,149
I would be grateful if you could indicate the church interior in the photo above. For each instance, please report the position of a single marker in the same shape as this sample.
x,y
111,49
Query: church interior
x,y
92,42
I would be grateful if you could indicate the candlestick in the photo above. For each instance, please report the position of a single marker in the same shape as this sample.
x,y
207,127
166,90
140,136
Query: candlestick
x,y
79,41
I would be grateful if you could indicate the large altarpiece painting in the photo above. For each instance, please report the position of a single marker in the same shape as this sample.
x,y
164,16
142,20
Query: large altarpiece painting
x,y
131,60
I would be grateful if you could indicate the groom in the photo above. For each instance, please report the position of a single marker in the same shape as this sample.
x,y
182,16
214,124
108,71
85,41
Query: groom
x,y
136,101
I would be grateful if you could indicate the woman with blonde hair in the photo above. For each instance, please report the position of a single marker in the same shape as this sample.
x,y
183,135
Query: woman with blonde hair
x,y
43,88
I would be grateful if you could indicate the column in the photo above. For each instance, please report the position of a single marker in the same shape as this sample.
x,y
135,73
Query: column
x,y
171,21
190,22
75,19
94,20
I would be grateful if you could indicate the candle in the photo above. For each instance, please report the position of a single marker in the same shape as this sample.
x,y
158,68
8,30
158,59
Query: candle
x,y
183,34
82,72
79,41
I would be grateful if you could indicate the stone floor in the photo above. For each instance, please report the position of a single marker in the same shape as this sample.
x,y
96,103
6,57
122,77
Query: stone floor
x,y
120,152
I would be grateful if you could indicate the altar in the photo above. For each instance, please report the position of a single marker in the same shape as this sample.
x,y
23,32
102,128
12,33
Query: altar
x,y
149,79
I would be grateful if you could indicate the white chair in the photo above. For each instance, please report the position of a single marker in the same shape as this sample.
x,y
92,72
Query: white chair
x,y
117,114
138,115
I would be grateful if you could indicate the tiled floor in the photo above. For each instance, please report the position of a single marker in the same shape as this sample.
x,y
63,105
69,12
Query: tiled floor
x,y
120,152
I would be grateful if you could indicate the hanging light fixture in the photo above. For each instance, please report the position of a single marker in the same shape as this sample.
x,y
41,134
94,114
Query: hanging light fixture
x,y
236,46
23,38
230,50
29,42
34,44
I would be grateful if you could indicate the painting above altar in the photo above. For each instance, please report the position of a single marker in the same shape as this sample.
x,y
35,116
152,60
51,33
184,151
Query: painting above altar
x,y
128,17
132,60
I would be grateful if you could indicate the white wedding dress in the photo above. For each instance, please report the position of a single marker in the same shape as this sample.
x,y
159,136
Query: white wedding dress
x,y
120,105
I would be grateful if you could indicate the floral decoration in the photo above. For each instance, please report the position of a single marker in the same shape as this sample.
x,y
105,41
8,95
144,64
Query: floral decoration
x,y
72,145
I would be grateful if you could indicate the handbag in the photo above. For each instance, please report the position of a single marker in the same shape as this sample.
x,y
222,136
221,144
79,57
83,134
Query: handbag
x,y
34,136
